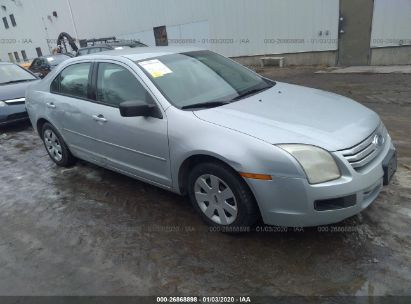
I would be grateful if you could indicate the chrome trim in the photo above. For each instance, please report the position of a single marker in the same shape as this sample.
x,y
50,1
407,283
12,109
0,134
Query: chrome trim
x,y
16,100
364,152
118,146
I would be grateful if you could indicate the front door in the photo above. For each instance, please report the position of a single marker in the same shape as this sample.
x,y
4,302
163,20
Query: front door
x,y
137,146
355,32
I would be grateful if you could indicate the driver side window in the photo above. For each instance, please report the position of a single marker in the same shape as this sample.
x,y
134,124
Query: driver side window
x,y
116,84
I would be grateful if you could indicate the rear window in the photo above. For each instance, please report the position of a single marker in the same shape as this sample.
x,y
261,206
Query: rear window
x,y
72,81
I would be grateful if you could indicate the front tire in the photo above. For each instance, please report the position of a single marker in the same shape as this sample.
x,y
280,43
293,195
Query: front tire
x,y
221,197
56,147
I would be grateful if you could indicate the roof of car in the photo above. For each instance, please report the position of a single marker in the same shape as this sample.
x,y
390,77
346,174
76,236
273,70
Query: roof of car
x,y
53,56
140,53
101,45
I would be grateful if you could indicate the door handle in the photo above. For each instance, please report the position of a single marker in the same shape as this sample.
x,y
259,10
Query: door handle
x,y
99,118
51,105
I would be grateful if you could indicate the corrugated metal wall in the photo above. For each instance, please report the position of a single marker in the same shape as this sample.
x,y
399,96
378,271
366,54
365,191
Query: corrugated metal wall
x,y
391,23
231,27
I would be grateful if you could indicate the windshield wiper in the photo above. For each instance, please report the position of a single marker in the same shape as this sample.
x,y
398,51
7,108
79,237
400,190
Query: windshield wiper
x,y
208,104
251,92
16,81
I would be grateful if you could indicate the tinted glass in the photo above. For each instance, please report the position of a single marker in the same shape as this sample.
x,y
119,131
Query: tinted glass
x,y
205,77
82,52
116,84
55,85
36,63
74,80
94,50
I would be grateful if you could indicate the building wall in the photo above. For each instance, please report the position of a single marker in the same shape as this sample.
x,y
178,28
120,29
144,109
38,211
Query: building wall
x,y
230,27
36,27
391,24
391,32
235,28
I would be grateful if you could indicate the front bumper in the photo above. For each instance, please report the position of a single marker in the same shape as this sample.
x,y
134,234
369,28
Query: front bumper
x,y
13,113
292,202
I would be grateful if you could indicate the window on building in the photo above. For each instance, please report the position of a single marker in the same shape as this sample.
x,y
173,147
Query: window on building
x,y
24,55
16,55
11,58
13,21
39,52
6,24
160,35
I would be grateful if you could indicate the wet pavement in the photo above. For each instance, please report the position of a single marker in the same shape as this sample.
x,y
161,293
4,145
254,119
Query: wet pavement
x,y
89,231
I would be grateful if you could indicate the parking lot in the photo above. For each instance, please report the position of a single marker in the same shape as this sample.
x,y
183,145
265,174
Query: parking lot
x,y
88,231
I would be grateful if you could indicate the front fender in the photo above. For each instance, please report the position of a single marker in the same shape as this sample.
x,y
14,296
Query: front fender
x,y
189,136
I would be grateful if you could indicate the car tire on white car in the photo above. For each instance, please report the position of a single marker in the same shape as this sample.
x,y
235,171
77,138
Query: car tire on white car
x,y
56,147
221,197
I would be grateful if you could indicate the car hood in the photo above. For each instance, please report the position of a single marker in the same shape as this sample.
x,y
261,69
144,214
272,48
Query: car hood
x,y
289,113
14,90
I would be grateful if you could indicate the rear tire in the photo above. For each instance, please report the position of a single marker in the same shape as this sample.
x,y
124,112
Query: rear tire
x,y
56,147
221,197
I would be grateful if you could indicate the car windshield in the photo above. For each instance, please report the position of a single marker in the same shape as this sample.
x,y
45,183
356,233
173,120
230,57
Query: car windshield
x,y
201,78
10,73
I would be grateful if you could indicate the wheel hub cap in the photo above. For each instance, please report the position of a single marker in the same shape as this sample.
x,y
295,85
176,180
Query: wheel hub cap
x,y
215,199
53,145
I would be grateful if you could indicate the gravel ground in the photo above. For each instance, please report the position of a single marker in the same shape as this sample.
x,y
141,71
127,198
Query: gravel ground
x,y
89,231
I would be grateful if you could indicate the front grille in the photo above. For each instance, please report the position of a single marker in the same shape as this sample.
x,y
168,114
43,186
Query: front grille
x,y
363,153
335,203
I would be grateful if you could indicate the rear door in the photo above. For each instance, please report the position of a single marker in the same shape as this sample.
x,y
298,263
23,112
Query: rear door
x,y
70,98
69,85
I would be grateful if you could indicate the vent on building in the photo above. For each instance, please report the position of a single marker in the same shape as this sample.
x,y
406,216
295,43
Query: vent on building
x,y
16,55
39,52
6,24
13,21
24,55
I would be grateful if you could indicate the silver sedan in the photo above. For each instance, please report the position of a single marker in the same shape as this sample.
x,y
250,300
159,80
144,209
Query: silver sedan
x,y
241,146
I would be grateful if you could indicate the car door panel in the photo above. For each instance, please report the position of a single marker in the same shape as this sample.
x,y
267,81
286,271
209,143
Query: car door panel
x,y
137,146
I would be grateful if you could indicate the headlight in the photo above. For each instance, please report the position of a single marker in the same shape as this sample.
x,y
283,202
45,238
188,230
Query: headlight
x,y
2,104
318,164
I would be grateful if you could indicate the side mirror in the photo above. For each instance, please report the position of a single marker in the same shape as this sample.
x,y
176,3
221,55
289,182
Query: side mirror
x,y
136,108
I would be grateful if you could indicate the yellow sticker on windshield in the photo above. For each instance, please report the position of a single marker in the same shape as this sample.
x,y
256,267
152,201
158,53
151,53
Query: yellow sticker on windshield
x,y
155,67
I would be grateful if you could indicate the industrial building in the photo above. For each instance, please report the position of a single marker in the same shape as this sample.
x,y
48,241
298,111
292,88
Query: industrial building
x,y
330,32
